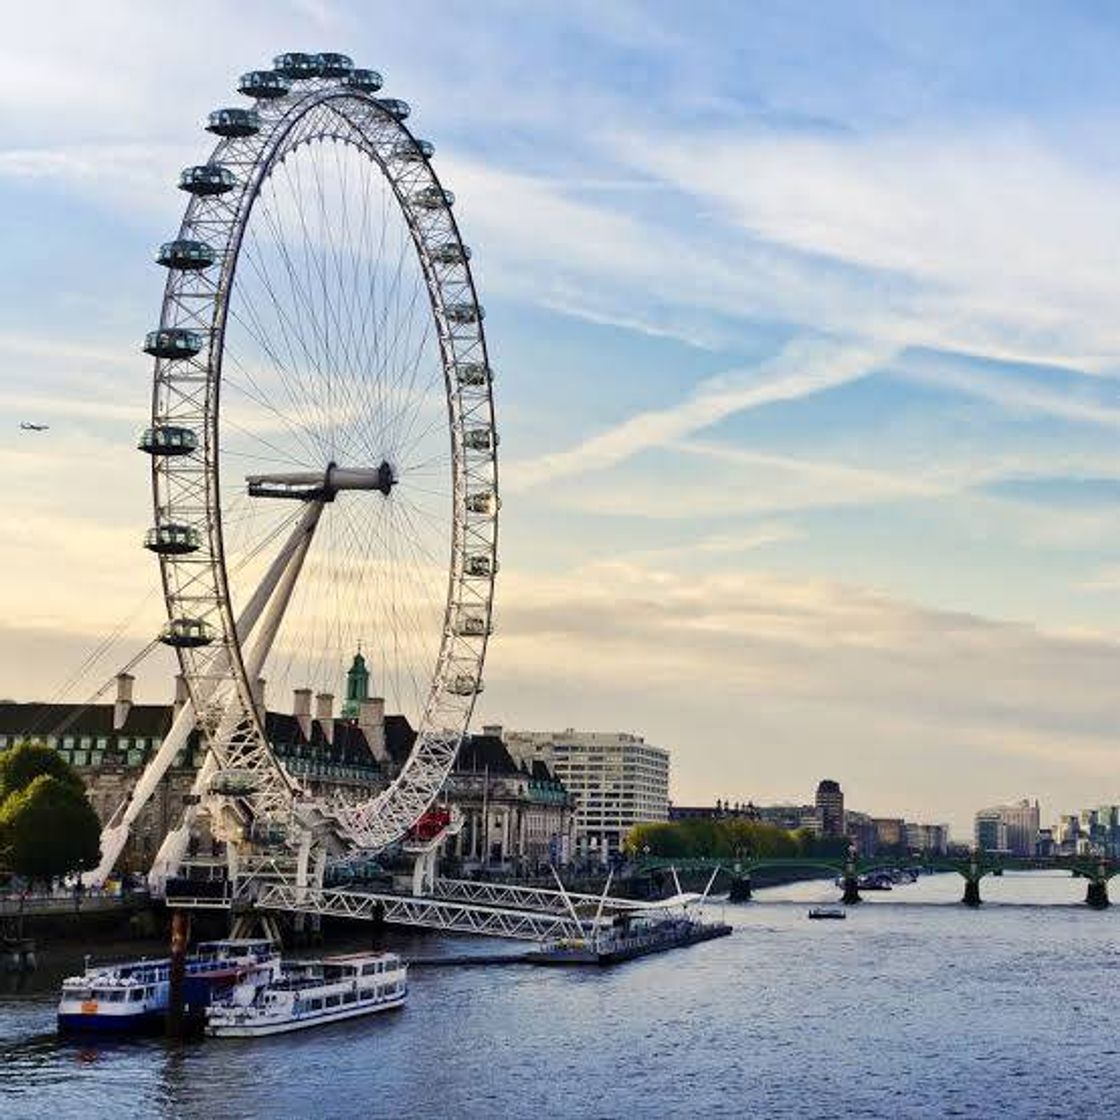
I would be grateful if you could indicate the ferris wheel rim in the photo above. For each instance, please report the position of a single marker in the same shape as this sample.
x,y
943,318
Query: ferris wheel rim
x,y
453,652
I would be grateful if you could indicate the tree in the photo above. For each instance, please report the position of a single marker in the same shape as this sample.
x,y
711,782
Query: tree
x,y
26,761
48,828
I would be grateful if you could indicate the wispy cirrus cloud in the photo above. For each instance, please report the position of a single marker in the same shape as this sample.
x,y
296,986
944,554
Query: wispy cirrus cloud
x,y
803,368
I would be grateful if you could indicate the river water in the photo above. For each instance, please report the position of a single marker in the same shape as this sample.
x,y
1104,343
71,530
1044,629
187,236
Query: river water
x,y
912,1007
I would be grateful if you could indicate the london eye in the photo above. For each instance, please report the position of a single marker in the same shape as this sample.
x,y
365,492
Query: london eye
x,y
323,451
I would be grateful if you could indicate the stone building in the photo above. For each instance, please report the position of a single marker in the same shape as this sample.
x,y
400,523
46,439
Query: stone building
x,y
110,744
518,818
518,815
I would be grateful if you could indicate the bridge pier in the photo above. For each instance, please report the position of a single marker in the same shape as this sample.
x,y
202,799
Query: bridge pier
x,y
1096,894
971,892
851,880
740,890
180,936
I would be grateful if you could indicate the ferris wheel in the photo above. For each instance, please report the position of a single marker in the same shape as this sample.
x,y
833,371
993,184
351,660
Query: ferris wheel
x,y
322,444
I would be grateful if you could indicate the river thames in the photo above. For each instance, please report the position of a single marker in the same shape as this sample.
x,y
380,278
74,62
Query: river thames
x,y
913,1007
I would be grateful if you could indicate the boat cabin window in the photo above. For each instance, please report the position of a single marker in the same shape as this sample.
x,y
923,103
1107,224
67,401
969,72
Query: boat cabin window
x,y
333,1001
136,994
349,997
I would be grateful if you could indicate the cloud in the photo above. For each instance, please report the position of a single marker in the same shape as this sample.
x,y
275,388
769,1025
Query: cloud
x,y
803,368
807,677
965,227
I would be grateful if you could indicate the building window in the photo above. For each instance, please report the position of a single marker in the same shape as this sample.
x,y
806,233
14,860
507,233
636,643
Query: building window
x,y
102,744
123,745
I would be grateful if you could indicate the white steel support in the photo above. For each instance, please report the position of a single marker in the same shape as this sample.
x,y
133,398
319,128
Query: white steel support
x,y
115,834
279,580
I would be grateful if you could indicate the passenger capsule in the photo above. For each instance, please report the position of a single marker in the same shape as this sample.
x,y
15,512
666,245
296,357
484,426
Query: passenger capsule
x,y
234,122
365,81
451,252
234,783
483,502
464,313
474,373
413,151
480,439
398,110
433,198
188,256
266,85
480,566
207,179
464,684
172,342
172,540
269,831
472,626
186,633
296,66
334,65
168,440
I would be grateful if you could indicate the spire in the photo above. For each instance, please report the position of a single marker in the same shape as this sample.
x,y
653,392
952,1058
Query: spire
x,y
357,685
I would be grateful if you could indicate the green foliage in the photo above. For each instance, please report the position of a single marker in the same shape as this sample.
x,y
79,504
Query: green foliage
x,y
26,761
47,825
729,838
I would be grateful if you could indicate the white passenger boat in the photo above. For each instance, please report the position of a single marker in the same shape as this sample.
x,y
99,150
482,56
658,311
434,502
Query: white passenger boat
x,y
132,997
309,993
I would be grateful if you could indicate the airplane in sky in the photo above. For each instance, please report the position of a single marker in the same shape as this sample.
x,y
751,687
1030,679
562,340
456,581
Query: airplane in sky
x,y
27,426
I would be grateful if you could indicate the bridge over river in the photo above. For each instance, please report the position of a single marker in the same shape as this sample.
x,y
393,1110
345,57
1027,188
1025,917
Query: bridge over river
x,y
850,870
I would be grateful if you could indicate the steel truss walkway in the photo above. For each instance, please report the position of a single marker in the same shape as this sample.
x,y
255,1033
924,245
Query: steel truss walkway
x,y
431,913
539,899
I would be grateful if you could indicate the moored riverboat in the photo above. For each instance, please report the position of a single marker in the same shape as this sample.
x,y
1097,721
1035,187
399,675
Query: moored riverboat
x,y
133,997
629,935
311,993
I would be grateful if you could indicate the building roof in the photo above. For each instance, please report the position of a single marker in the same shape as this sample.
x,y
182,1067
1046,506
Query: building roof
x,y
41,720
150,721
485,752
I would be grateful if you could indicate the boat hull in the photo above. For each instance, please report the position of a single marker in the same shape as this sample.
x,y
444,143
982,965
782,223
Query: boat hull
x,y
637,947
259,1030
143,1022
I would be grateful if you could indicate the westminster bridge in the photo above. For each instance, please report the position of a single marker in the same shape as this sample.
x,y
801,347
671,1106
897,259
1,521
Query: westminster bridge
x,y
850,870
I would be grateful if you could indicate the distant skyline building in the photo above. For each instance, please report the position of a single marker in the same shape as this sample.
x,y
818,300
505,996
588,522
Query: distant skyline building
x,y
990,833
830,807
1010,828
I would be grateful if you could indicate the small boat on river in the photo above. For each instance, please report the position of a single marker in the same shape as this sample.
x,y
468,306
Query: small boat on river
x,y
832,912
309,994
133,997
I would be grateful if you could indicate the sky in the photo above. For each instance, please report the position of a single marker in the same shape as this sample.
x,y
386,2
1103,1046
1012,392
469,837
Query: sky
x,y
804,325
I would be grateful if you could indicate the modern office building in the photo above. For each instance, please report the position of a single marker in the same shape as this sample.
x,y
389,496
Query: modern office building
x,y
830,808
618,780
927,839
990,832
